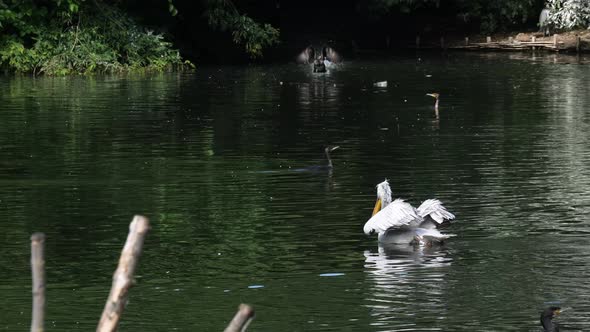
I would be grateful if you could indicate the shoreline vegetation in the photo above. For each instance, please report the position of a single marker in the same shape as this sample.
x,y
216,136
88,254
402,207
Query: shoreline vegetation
x,y
77,37
64,39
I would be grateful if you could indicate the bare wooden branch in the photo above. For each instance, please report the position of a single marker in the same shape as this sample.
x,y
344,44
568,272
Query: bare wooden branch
x,y
123,276
38,270
241,320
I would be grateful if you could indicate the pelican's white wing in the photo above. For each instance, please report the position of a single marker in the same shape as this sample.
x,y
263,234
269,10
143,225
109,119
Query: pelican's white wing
x,y
435,210
397,214
431,235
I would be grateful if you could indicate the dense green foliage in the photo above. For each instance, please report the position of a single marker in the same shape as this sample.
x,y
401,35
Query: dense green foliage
x,y
498,14
59,37
223,15
569,14
63,37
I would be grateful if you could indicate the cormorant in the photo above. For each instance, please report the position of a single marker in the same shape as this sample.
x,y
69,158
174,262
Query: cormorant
x,y
436,97
321,168
547,319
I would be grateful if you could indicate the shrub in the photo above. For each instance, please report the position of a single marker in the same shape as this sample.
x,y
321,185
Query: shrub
x,y
88,39
569,14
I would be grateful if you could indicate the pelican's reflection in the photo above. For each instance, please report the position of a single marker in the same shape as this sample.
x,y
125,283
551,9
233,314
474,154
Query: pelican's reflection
x,y
405,283
318,92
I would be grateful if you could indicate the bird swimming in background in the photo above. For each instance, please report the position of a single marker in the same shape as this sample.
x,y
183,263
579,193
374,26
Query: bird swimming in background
x,y
327,151
400,223
436,97
321,168
547,319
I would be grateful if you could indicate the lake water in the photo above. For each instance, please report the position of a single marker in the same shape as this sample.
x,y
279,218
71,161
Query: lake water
x,y
214,158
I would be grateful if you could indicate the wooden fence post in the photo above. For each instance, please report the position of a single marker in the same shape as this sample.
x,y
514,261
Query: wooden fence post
x,y
466,41
241,320
123,276
38,270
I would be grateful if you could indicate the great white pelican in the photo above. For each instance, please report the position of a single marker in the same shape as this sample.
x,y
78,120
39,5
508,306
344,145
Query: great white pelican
x,y
399,222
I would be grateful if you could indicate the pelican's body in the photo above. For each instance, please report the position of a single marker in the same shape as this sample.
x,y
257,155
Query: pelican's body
x,y
400,223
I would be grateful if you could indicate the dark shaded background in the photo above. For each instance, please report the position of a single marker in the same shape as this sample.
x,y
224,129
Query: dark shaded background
x,y
307,22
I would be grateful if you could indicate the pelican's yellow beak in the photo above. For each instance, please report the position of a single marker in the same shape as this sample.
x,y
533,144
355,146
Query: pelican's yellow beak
x,y
557,312
377,207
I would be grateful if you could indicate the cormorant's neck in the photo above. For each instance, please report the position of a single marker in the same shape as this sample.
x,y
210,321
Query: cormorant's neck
x,y
436,103
548,325
329,159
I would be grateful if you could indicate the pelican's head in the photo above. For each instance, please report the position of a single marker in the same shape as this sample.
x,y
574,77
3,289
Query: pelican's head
x,y
383,196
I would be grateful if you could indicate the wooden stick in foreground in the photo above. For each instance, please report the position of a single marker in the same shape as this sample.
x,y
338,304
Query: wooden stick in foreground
x,y
123,277
241,320
38,270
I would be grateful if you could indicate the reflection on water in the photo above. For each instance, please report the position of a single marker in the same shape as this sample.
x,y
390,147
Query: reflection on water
x,y
407,285
211,156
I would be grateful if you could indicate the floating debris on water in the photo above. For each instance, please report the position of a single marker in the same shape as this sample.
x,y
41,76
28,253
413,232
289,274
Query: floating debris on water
x,y
331,274
255,286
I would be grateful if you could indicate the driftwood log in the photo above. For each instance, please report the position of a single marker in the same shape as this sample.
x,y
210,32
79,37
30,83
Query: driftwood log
x,y
241,320
122,282
123,277
38,270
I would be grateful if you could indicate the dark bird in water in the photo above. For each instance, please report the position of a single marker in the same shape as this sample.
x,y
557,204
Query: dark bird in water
x,y
319,66
436,97
547,319
327,150
321,168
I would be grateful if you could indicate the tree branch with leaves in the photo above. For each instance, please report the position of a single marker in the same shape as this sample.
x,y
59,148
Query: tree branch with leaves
x,y
223,15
